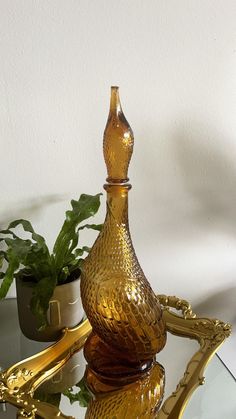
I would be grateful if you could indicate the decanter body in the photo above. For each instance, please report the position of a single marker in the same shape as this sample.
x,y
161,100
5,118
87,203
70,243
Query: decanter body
x,y
121,306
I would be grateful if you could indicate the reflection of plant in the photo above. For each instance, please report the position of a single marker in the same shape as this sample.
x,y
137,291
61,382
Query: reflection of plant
x,y
51,398
83,396
31,261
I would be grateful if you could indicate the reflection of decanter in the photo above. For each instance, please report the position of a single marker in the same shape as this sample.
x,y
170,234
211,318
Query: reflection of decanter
x,y
122,308
138,399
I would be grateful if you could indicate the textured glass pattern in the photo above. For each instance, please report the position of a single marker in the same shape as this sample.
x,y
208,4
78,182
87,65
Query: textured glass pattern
x,y
140,399
118,141
118,300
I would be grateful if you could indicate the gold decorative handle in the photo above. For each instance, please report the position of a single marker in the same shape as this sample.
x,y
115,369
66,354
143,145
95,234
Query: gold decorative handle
x,y
178,304
30,373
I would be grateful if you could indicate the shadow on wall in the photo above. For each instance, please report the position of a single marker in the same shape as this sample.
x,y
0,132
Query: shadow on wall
x,y
27,209
188,181
209,178
189,184
215,305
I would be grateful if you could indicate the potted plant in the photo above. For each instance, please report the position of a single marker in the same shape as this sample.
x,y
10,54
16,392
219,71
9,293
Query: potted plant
x,y
47,284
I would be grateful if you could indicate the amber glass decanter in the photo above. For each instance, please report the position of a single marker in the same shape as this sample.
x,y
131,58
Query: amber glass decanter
x,y
126,317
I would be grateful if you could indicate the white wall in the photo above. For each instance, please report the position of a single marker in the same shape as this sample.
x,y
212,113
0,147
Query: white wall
x,y
175,62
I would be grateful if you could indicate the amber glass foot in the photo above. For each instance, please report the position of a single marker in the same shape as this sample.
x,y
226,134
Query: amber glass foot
x,y
140,398
111,363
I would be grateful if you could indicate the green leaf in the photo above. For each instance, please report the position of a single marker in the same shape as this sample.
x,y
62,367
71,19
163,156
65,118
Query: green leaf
x,y
28,227
67,240
83,396
3,256
37,264
73,242
19,248
40,263
9,275
76,263
86,207
97,227
42,292
80,251
7,232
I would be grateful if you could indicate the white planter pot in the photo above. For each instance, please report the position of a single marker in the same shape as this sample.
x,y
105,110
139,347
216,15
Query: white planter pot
x,y
65,310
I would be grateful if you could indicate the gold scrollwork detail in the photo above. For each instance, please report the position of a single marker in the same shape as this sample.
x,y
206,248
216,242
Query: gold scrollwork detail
x,y
17,375
177,303
210,333
19,382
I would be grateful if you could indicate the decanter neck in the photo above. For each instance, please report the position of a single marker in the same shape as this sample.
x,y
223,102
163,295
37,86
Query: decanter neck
x,y
117,203
115,105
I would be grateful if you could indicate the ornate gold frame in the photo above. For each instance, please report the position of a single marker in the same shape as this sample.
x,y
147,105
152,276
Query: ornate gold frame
x,y
19,382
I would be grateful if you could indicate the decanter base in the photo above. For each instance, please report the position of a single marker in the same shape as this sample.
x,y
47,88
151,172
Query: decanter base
x,y
107,361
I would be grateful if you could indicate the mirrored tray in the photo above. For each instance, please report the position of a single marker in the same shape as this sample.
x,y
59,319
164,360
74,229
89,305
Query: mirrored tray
x,y
46,372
